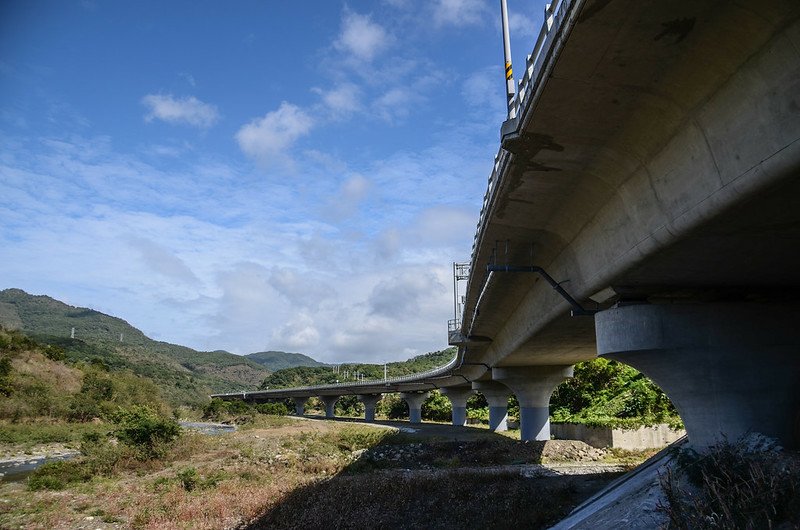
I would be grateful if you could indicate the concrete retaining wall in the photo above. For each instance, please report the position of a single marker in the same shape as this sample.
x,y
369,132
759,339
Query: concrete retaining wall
x,y
630,439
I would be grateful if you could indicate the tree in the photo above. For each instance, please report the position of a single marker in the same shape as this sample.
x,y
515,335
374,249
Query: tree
x,y
437,407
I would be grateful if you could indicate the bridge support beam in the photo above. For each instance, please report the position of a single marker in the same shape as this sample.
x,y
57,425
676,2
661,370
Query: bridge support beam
x,y
330,405
729,369
300,405
533,386
415,401
369,401
458,400
496,395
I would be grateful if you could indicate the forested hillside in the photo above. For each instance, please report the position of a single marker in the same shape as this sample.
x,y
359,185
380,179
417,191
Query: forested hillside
x,y
278,360
305,376
185,376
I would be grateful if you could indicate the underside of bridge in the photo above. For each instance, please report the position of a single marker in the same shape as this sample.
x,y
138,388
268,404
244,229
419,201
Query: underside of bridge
x,y
657,161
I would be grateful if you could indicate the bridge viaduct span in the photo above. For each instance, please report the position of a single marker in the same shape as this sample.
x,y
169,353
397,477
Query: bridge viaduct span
x,y
651,173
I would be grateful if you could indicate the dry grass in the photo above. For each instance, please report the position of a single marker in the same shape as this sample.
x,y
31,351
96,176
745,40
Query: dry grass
x,y
734,486
286,473
36,366
248,472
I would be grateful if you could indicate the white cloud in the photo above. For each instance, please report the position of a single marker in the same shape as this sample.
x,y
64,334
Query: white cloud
x,y
460,12
162,260
361,38
484,88
188,110
341,101
349,196
402,296
299,289
298,334
443,225
395,104
522,26
267,139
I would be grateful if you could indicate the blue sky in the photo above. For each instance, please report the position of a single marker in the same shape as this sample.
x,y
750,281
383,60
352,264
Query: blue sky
x,y
252,175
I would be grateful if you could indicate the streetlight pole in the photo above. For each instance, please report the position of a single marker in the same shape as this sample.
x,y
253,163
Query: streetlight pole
x,y
511,85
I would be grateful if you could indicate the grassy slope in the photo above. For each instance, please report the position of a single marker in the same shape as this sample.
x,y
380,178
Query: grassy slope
x,y
44,398
184,374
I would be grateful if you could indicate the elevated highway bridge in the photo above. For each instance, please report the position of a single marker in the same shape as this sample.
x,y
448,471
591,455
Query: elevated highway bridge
x,y
645,206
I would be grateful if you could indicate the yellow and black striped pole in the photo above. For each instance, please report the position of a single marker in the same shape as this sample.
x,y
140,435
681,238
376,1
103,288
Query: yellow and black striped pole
x,y
511,85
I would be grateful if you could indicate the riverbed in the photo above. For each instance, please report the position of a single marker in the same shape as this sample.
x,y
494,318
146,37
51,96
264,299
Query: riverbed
x,y
16,468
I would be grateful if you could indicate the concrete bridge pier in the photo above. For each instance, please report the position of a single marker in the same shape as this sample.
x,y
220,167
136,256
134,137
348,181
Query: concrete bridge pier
x,y
415,401
300,405
496,395
729,369
533,386
369,401
458,400
330,404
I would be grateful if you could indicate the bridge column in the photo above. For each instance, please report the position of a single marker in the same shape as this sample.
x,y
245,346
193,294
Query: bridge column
x,y
533,386
415,401
369,401
330,404
300,405
458,400
496,395
728,368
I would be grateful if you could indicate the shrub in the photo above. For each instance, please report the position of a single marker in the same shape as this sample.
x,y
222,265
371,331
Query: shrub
x,y
748,484
144,429
54,353
349,406
218,408
273,409
189,478
481,414
6,387
57,475
392,406
355,438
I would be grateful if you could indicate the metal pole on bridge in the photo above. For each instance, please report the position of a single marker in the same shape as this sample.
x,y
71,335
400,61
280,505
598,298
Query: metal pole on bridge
x,y
511,85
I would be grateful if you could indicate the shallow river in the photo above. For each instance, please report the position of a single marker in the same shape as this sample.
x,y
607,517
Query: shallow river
x,y
17,471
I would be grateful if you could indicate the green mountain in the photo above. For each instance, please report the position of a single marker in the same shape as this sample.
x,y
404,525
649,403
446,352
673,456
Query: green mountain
x,y
321,375
185,375
278,360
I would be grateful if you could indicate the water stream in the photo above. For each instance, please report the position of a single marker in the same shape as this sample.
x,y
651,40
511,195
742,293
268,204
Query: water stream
x,y
19,470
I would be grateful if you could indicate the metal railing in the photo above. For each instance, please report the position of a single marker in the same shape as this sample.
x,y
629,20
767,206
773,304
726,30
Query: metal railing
x,y
555,14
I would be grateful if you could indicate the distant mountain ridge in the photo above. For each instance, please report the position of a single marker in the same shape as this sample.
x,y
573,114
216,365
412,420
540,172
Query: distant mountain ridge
x,y
185,375
278,360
